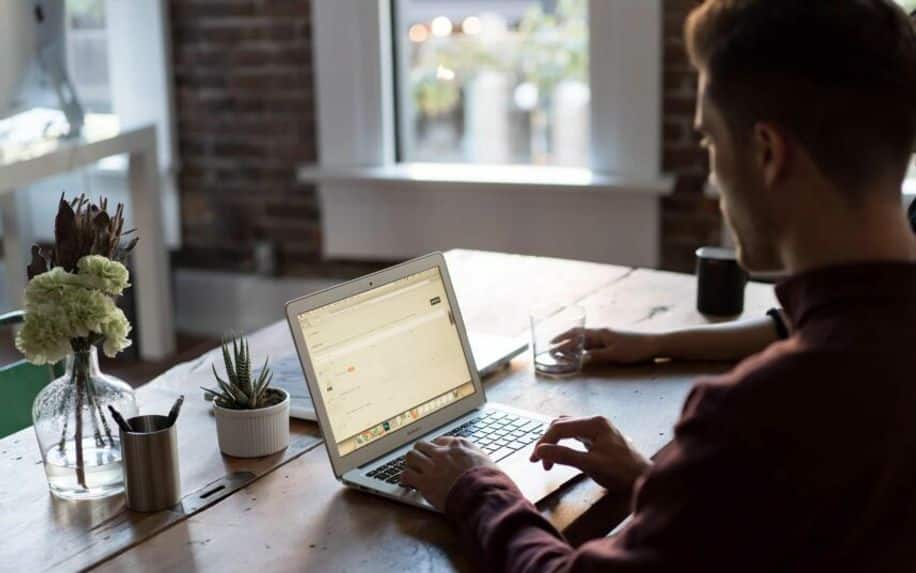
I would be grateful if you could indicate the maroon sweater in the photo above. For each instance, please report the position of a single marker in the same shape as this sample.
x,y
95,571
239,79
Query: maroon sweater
x,y
802,458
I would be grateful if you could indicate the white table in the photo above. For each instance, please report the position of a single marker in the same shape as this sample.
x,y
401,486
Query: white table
x,y
24,164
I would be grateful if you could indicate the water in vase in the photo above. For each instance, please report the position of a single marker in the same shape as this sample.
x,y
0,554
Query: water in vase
x,y
102,470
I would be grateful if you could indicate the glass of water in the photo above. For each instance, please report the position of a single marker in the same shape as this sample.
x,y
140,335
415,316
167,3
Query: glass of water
x,y
557,339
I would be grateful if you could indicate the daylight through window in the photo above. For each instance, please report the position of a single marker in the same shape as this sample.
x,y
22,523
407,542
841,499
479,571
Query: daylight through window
x,y
496,82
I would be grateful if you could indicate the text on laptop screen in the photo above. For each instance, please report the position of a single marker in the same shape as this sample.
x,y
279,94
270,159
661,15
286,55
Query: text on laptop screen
x,y
385,358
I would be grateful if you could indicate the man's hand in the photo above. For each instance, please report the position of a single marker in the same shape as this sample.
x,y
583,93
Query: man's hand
x,y
606,346
433,468
610,460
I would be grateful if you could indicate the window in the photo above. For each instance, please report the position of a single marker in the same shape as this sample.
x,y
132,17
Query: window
x,y
908,5
87,53
495,82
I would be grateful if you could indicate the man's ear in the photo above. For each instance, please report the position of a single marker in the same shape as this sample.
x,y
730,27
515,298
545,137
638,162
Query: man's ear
x,y
771,152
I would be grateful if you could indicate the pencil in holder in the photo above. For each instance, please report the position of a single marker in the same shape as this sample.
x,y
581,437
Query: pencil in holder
x,y
150,464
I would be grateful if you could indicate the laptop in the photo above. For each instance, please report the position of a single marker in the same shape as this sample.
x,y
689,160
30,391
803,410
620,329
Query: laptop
x,y
387,362
491,353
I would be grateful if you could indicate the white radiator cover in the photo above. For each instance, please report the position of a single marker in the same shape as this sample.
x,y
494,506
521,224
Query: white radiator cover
x,y
385,224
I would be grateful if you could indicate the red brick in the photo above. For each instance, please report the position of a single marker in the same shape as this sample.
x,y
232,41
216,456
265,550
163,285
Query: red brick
x,y
246,119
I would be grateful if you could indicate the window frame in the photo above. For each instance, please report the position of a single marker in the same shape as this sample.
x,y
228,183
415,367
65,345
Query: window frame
x,y
403,125
626,60
374,208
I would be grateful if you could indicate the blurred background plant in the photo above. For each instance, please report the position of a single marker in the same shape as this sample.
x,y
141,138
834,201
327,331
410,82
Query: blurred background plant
x,y
908,5
495,86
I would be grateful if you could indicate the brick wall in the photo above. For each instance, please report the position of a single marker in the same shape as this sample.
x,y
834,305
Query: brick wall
x,y
245,116
245,112
689,219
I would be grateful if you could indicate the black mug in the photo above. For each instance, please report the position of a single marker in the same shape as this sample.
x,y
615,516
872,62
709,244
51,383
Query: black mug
x,y
720,282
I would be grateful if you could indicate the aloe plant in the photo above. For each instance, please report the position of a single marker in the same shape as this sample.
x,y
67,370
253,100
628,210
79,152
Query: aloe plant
x,y
242,391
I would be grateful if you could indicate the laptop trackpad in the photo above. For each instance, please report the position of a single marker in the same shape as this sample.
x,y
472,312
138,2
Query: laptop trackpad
x,y
532,479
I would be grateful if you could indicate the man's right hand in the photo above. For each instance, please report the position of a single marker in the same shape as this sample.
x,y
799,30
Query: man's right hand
x,y
610,460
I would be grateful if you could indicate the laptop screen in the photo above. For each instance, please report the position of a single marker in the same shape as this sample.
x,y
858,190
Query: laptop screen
x,y
385,358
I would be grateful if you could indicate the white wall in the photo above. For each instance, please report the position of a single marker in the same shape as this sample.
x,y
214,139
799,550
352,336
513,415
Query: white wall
x,y
387,224
353,63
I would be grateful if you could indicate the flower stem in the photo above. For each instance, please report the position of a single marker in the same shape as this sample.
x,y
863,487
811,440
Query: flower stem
x,y
80,377
78,435
62,411
97,410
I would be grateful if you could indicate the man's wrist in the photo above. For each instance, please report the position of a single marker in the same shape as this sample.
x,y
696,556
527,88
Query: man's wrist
x,y
660,344
458,501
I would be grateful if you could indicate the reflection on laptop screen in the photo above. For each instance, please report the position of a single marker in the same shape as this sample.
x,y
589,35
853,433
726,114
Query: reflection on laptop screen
x,y
385,358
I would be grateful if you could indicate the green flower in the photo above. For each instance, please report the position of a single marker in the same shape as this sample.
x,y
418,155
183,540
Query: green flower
x,y
43,341
48,287
61,306
115,329
110,277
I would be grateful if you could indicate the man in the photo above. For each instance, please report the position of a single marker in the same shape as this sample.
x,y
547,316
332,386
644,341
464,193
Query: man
x,y
802,458
912,209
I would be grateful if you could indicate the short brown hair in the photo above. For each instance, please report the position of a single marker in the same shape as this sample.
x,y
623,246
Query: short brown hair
x,y
838,75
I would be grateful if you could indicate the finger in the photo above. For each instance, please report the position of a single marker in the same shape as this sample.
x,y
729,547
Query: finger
x,y
569,354
418,461
411,478
534,457
601,356
462,443
466,444
552,454
579,337
571,333
563,428
444,440
426,448
569,345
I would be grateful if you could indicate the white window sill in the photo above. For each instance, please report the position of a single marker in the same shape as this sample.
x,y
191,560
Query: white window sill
x,y
909,190
483,177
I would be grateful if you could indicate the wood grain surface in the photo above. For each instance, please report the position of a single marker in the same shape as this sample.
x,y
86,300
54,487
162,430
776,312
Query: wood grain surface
x,y
42,533
298,518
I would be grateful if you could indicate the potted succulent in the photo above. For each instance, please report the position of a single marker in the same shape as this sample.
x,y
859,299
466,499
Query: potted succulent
x,y
252,418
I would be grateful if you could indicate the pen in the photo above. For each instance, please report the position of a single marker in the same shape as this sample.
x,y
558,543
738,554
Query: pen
x,y
173,413
119,419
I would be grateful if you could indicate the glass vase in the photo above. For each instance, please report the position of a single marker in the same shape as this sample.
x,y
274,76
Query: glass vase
x,y
79,440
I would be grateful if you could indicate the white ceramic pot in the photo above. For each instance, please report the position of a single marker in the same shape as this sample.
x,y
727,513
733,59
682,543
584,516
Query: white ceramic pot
x,y
253,433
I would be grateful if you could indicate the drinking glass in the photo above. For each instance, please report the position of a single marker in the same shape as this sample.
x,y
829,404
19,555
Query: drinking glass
x,y
557,339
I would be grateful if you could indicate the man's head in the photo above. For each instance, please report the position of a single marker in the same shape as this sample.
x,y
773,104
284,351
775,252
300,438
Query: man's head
x,y
802,102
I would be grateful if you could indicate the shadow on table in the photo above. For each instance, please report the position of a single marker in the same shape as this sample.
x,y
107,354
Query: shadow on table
x,y
645,372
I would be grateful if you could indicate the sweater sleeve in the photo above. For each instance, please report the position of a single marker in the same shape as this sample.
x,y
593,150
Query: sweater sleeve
x,y
686,509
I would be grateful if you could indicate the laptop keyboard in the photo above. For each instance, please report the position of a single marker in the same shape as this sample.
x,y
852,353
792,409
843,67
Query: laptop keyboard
x,y
497,433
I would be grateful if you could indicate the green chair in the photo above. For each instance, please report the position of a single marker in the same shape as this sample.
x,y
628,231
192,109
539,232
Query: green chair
x,y
20,382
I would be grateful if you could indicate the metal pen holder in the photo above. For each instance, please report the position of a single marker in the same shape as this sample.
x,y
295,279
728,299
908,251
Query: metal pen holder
x,y
150,464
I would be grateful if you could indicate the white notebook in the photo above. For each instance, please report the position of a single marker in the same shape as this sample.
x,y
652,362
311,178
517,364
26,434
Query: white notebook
x,y
288,375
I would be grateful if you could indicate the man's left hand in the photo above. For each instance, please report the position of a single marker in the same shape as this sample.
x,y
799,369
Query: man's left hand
x,y
433,468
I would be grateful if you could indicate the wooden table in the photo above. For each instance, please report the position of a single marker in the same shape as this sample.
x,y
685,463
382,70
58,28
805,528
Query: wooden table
x,y
286,512
24,164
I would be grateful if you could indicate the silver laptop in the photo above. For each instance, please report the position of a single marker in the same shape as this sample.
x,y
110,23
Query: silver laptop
x,y
387,363
491,353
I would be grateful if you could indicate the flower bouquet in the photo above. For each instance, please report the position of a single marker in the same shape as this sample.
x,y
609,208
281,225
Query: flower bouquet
x,y
70,310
